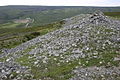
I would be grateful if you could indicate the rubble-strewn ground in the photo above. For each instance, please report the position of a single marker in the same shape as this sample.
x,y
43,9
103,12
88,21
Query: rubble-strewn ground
x,y
87,47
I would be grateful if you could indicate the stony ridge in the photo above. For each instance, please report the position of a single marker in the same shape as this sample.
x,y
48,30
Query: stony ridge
x,y
84,36
95,19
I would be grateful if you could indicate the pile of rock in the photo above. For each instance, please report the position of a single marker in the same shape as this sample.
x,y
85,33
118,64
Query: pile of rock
x,y
68,35
8,70
97,73
84,37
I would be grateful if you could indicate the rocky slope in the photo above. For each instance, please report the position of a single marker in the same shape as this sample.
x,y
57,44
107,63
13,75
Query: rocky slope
x,y
87,47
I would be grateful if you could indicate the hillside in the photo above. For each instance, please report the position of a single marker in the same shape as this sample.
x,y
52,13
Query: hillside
x,y
46,14
113,14
11,37
86,47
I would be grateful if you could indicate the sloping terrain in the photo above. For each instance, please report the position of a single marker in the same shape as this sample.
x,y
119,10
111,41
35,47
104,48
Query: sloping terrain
x,y
115,15
11,37
86,47
46,14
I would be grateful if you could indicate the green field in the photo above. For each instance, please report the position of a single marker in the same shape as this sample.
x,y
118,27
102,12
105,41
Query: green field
x,y
113,14
9,25
11,37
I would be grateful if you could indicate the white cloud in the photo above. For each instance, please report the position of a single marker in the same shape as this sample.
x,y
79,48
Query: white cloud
x,y
62,2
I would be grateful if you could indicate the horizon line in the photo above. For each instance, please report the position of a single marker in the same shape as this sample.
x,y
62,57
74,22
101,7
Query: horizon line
x,y
59,5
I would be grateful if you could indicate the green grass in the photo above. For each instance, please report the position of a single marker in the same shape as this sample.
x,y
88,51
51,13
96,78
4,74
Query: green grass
x,y
15,36
52,70
105,59
9,25
113,14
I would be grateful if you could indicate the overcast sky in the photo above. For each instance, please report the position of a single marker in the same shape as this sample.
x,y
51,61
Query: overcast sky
x,y
62,2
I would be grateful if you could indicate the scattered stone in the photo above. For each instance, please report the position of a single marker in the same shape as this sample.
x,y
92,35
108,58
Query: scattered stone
x,y
95,73
83,36
116,59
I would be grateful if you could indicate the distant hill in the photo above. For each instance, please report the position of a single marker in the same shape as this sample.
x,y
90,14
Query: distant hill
x,y
47,14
